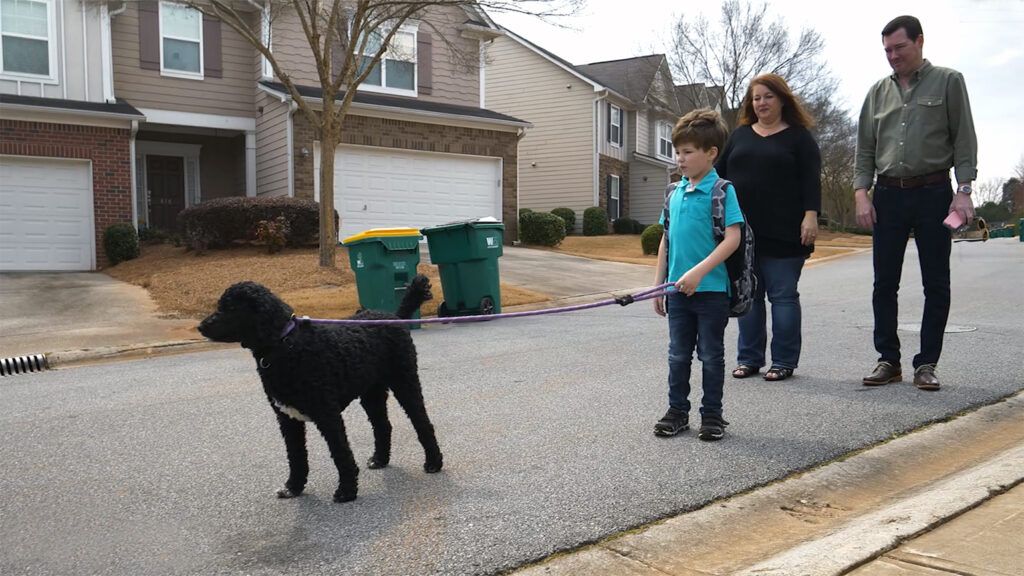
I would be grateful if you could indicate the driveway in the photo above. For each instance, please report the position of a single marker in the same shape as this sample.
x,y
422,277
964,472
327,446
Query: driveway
x,y
52,312
55,312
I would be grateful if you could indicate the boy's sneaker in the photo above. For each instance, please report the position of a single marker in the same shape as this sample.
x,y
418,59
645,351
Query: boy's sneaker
x,y
673,422
712,427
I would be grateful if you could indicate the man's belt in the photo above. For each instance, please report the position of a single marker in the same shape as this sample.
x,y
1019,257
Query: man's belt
x,y
914,181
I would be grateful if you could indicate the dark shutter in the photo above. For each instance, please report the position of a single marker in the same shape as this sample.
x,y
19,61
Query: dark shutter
x,y
424,62
622,126
212,67
149,35
608,129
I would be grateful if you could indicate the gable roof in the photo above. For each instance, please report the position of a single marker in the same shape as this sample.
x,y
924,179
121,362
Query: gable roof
x,y
629,76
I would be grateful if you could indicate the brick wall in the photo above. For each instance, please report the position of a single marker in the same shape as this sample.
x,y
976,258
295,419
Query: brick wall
x,y
606,166
107,148
365,131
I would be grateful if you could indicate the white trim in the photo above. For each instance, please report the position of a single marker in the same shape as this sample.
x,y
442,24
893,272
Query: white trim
x,y
250,164
135,191
316,173
267,71
31,113
657,140
160,27
617,143
198,120
106,54
292,107
85,52
51,49
617,197
63,55
483,67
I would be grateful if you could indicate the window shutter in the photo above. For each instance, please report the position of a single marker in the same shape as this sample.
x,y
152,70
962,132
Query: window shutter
x,y
608,130
622,125
212,67
424,62
149,35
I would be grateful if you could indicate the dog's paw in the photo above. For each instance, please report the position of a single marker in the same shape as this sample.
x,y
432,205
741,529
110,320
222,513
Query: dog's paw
x,y
376,462
288,493
433,467
344,496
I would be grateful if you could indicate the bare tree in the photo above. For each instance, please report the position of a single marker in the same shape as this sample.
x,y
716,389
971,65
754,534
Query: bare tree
x,y
348,39
744,44
1018,170
836,134
990,190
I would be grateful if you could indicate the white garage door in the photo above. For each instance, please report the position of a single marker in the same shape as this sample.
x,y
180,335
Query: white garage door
x,y
382,188
45,214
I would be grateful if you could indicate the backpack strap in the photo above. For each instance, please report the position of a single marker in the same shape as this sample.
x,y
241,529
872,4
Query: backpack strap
x,y
718,209
668,197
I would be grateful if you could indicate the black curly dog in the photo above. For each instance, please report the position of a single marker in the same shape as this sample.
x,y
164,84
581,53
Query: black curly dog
x,y
311,372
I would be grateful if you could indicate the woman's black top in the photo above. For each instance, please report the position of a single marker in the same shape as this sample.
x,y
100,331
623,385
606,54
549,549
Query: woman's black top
x,y
777,178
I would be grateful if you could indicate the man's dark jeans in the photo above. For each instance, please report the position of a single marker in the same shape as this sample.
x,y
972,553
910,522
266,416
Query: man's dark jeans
x,y
898,212
697,321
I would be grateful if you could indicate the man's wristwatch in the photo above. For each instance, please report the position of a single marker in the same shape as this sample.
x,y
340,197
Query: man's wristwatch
x,y
965,189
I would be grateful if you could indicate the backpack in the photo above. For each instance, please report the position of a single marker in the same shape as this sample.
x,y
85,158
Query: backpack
x,y
739,264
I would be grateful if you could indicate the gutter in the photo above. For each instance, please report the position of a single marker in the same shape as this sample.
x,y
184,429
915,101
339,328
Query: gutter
x,y
73,111
601,96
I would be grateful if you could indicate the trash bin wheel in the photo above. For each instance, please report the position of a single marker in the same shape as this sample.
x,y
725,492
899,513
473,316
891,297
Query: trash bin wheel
x,y
486,305
442,310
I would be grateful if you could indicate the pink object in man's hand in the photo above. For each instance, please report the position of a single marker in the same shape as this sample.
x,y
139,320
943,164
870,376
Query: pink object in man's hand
x,y
954,221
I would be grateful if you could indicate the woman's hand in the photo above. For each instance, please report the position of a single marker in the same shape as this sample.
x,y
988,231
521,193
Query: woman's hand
x,y
809,228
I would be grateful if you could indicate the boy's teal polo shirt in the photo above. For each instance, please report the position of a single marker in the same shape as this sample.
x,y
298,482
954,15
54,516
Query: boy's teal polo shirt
x,y
690,238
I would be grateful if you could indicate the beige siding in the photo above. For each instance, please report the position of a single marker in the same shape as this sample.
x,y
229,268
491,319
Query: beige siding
x,y
231,95
646,199
556,156
643,137
82,47
456,71
272,146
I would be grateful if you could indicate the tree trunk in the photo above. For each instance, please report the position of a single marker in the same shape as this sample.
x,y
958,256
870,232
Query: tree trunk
x,y
328,233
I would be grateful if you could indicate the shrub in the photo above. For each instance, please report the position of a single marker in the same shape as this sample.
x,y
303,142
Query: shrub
x,y
120,242
650,238
625,226
595,221
218,223
273,233
569,215
638,228
541,228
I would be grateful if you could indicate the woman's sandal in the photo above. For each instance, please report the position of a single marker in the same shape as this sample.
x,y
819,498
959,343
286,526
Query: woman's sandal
x,y
743,371
776,374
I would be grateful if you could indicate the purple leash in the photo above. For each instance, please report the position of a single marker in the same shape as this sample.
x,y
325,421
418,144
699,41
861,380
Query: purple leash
x,y
646,294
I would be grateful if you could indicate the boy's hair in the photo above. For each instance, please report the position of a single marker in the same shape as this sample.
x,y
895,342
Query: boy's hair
x,y
703,128
793,111
911,25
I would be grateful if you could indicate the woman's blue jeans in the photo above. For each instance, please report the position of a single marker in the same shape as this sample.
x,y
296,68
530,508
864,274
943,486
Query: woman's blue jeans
x,y
777,278
699,322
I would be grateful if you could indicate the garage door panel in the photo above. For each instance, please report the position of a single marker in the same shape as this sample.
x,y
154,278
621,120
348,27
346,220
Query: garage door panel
x,y
47,221
385,187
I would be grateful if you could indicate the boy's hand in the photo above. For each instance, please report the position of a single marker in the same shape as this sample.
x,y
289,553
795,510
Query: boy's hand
x,y
659,305
689,282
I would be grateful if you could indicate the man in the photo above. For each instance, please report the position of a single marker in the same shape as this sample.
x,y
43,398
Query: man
x,y
914,126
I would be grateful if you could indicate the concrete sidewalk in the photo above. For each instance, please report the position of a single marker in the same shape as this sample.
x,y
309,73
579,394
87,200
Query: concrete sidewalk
x,y
943,500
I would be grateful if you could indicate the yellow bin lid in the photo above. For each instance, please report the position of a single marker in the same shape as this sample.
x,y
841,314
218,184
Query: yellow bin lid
x,y
382,233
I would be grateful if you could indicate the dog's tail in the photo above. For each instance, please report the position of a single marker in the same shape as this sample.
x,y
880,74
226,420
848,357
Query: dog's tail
x,y
416,294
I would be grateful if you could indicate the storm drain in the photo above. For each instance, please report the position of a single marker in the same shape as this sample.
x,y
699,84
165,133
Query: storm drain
x,y
23,364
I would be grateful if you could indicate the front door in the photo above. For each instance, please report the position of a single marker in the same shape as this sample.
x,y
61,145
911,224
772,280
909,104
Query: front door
x,y
165,180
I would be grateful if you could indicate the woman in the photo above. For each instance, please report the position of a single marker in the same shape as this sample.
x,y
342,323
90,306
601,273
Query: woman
x,y
775,164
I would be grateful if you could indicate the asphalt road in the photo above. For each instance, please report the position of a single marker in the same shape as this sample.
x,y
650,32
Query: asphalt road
x,y
169,465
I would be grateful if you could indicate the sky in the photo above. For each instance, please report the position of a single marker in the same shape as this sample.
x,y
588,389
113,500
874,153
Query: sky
x,y
983,39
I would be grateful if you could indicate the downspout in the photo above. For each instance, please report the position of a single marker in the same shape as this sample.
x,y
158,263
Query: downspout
x,y
63,53
601,96
292,107
106,55
85,54
520,132
134,176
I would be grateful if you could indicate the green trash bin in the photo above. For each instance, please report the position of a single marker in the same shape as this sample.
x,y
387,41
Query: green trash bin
x,y
466,254
384,261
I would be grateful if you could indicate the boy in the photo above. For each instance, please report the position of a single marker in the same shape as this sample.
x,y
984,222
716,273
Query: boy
x,y
698,308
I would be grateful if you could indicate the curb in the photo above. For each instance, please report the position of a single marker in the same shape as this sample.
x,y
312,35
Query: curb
x,y
74,357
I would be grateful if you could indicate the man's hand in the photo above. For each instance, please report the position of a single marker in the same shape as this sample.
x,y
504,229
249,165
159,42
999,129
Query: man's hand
x,y
864,209
963,204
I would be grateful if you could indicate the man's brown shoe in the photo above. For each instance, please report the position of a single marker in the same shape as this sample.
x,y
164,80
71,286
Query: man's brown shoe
x,y
925,379
885,373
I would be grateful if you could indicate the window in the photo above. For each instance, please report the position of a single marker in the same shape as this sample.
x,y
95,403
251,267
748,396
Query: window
x,y
396,71
615,125
613,197
26,29
665,149
181,41
265,28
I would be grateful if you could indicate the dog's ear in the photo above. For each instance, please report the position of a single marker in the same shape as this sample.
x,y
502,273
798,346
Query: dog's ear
x,y
271,313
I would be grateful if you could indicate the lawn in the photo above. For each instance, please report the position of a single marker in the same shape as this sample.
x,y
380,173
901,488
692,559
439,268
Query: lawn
x,y
186,285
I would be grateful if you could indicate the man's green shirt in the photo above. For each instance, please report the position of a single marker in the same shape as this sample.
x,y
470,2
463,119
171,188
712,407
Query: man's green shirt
x,y
924,129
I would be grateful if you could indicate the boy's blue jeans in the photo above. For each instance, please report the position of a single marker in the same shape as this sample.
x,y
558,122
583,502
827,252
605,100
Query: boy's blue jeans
x,y
778,278
699,322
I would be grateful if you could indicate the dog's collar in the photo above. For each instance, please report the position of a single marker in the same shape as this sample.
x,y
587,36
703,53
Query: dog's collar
x,y
292,323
